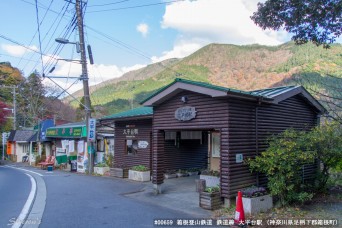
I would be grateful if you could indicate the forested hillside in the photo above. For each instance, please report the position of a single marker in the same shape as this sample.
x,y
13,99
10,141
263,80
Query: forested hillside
x,y
247,67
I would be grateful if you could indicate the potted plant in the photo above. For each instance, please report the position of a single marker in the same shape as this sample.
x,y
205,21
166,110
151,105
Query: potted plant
x,y
120,171
193,171
101,168
182,173
255,200
211,177
210,198
139,173
170,174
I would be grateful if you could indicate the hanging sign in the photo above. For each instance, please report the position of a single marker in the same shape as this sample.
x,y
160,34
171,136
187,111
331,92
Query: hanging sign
x,y
92,130
185,113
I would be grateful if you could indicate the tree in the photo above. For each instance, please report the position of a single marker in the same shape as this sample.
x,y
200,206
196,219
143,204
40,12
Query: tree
x,y
319,21
31,99
3,114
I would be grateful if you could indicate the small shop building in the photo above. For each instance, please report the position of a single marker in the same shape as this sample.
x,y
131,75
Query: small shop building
x,y
133,137
69,143
199,125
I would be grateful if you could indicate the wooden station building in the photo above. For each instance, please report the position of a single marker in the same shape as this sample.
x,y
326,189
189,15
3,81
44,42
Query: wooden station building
x,y
189,124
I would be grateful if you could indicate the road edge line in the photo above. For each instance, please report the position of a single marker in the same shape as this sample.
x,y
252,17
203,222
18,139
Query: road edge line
x,y
29,202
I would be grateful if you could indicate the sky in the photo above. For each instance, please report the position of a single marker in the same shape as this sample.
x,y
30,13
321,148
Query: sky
x,y
124,34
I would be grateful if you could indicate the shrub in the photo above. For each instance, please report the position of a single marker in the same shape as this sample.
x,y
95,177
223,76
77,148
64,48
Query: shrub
x,y
282,162
101,165
140,168
326,143
253,192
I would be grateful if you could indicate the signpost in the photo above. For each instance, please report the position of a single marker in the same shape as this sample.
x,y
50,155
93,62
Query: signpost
x,y
5,136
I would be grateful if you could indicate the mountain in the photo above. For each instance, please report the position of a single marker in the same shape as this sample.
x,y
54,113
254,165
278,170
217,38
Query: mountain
x,y
246,67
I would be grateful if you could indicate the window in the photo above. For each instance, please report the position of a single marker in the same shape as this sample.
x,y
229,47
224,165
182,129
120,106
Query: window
x,y
131,146
215,146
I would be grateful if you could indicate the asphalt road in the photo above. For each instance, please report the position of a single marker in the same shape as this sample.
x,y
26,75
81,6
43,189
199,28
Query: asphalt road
x,y
15,187
76,200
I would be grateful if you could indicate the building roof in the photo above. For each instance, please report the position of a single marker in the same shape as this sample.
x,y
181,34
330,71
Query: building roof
x,y
69,125
137,112
21,135
269,95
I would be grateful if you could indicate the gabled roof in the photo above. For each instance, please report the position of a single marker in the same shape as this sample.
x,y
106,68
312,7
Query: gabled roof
x,y
137,112
270,95
21,135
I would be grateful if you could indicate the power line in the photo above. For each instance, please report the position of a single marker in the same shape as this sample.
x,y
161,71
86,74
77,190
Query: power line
x,y
39,38
22,45
132,49
138,6
107,4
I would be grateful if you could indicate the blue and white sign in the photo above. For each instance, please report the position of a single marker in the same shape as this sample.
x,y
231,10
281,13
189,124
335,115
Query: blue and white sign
x,y
92,130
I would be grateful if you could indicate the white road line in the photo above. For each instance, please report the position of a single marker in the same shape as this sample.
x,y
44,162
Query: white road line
x,y
24,212
25,170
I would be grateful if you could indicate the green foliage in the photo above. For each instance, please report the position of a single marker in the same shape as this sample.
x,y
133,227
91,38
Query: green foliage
x,y
287,152
101,165
109,160
140,168
282,163
326,143
212,189
306,20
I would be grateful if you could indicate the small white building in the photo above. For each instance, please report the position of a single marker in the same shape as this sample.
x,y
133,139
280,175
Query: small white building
x,y
19,144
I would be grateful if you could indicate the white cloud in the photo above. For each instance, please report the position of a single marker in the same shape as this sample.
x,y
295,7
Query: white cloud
x,y
17,50
180,50
214,21
97,73
143,29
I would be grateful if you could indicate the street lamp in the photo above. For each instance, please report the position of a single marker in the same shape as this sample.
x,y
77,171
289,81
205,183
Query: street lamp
x,y
66,41
14,116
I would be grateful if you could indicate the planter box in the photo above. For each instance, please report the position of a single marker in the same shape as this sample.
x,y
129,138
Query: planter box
x,y
170,176
210,201
119,172
257,204
192,173
139,176
101,170
182,174
210,181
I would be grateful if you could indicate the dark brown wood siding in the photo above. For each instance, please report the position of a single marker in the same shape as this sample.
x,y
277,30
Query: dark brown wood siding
x,y
251,125
212,114
143,156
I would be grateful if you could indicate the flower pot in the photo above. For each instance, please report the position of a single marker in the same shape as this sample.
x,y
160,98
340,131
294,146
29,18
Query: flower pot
x,y
192,173
170,175
119,172
257,204
101,170
210,201
182,174
210,181
139,175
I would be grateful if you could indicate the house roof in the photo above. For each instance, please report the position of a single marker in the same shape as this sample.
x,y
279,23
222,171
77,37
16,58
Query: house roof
x,y
269,95
137,112
21,135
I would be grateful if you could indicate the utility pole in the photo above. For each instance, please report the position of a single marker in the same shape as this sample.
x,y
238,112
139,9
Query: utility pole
x,y
84,77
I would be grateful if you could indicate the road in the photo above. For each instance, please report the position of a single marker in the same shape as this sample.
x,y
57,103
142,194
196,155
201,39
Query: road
x,y
77,200
15,187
